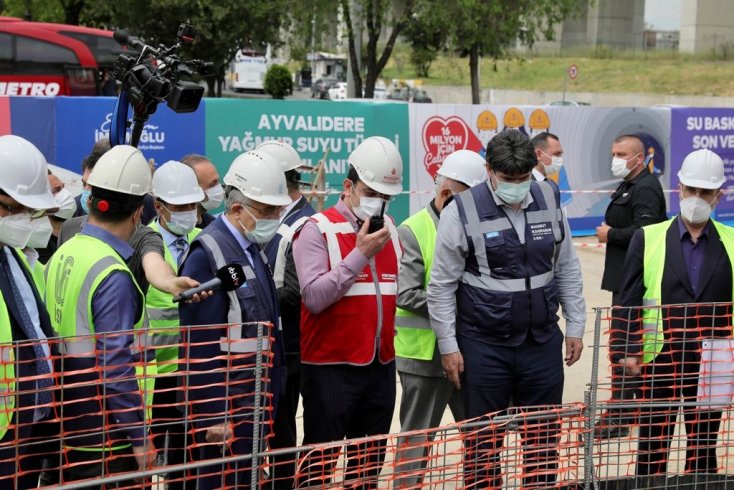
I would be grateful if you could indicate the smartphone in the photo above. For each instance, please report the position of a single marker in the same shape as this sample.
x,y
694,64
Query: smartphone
x,y
377,222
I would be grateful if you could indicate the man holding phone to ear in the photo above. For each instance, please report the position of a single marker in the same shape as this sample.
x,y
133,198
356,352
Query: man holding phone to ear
x,y
348,277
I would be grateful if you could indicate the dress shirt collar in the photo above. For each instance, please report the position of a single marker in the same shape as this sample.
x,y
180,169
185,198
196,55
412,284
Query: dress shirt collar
x,y
121,247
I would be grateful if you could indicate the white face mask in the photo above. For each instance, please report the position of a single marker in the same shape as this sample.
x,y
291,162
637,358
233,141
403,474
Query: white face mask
x,y
215,198
67,204
182,222
695,210
16,229
265,229
619,167
554,167
41,234
368,206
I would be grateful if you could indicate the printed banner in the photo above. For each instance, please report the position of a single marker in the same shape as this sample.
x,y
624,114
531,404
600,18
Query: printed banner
x,y
316,130
586,134
693,129
82,121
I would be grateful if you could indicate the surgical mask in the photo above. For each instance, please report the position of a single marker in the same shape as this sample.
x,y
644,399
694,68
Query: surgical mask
x,y
84,200
264,231
619,167
369,207
182,222
555,166
695,210
41,234
67,204
16,230
215,198
512,193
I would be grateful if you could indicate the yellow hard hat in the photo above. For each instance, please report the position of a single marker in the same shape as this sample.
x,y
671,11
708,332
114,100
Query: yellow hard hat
x,y
514,118
539,119
486,121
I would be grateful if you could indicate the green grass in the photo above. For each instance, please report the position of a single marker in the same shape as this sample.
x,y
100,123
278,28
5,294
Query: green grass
x,y
602,70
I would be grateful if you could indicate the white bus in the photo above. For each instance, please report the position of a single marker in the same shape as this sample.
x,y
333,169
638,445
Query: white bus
x,y
248,69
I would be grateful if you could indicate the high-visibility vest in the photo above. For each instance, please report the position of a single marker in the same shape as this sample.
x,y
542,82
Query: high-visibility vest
x,y
163,314
349,331
7,369
73,275
37,272
414,338
653,337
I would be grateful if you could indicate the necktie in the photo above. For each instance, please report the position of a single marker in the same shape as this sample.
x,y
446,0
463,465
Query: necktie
x,y
181,245
44,382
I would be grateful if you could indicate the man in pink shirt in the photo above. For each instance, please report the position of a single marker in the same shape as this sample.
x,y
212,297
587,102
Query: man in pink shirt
x,y
347,268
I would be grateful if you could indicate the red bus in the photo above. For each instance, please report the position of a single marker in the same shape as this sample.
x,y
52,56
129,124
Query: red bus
x,y
44,59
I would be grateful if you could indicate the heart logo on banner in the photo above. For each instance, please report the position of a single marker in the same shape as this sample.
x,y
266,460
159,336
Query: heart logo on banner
x,y
441,137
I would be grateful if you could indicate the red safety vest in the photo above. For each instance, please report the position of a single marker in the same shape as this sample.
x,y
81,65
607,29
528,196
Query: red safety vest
x,y
347,332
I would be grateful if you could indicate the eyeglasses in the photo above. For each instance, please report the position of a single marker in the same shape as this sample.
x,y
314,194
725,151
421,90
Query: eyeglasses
x,y
367,192
272,213
12,210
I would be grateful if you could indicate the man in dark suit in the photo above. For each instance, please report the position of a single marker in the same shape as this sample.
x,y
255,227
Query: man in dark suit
x,y
638,201
26,356
686,261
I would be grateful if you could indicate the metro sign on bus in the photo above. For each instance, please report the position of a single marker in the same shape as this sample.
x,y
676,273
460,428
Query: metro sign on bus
x,y
34,89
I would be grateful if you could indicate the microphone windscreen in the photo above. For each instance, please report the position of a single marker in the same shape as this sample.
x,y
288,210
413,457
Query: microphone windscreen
x,y
232,276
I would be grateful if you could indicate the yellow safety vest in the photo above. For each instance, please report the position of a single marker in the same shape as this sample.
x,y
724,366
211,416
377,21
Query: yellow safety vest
x,y
163,315
652,278
73,275
414,338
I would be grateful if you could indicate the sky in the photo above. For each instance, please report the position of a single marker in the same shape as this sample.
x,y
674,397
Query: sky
x,y
663,15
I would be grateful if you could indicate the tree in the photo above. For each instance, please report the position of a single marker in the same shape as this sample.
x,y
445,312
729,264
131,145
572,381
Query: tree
x,y
373,15
490,28
223,27
427,34
278,81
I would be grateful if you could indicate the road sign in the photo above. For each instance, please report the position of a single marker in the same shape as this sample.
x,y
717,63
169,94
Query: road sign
x,y
573,72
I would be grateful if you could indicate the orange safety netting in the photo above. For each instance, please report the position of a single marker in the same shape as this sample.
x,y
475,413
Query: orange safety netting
x,y
111,416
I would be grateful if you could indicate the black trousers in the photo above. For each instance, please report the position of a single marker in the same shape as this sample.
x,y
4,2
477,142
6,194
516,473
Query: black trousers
x,y
346,401
671,380
494,376
283,468
168,420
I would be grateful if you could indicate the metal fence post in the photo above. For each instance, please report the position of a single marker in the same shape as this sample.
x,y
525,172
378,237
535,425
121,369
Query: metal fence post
x,y
256,416
591,405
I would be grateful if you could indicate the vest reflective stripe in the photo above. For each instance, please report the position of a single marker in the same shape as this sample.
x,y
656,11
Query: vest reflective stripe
x,y
89,261
234,315
365,289
235,343
414,338
7,369
287,233
507,285
653,337
163,314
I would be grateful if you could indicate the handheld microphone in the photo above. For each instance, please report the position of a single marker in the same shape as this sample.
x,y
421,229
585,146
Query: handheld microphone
x,y
228,278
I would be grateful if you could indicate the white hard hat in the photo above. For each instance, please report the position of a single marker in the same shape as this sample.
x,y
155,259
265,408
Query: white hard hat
x,y
176,183
258,176
122,169
286,155
25,173
702,169
464,166
379,165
